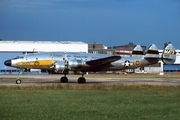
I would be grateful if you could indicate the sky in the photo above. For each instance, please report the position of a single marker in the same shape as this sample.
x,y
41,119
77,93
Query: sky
x,y
110,22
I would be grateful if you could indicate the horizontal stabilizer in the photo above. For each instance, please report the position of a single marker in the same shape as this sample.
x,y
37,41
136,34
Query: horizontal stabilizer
x,y
137,51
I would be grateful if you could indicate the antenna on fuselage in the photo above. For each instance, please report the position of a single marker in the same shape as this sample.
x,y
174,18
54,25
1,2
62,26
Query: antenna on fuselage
x,y
33,50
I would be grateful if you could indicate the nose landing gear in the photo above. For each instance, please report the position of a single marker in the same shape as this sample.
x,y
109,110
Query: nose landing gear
x,y
18,80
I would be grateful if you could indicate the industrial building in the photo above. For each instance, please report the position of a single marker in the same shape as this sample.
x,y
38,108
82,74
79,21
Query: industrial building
x,y
100,49
125,50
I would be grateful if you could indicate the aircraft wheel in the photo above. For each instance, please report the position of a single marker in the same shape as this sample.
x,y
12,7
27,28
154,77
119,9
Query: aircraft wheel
x,y
64,79
81,80
18,81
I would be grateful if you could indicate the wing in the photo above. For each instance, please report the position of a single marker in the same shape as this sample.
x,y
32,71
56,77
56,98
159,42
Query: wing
x,y
103,61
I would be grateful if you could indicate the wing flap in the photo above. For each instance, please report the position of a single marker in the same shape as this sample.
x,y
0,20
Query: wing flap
x,y
102,61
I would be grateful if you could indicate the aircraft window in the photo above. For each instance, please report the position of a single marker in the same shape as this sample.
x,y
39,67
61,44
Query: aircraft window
x,y
58,55
81,56
18,58
21,57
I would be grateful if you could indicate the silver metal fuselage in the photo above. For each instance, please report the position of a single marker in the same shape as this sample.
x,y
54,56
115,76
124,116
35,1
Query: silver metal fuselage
x,y
77,61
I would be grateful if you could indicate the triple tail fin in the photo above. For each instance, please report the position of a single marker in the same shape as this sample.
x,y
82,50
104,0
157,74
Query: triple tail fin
x,y
137,51
152,52
169,54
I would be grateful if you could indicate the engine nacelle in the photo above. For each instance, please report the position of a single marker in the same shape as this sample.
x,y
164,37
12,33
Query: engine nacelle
x,y
59,67
75,63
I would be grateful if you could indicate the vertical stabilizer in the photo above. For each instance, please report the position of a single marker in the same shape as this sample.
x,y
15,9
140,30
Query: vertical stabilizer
x,y
152,52
169,54
137,51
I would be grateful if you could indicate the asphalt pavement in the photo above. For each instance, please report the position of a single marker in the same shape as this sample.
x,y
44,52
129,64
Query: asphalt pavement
x,y
45,79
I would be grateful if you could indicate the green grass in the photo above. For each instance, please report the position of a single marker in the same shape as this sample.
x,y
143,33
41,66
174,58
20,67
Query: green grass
x,y
89,102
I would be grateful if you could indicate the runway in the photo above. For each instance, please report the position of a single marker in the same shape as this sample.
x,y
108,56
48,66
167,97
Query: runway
x,y
46,79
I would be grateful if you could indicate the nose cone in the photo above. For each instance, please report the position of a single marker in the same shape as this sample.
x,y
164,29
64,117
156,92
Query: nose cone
x,y
7,63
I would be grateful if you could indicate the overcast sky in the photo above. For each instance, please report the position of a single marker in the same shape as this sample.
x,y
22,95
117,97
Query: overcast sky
x,y
110,22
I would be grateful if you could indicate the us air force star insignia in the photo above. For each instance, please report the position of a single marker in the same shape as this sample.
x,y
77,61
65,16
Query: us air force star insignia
x,y
36,63
127,63
137,63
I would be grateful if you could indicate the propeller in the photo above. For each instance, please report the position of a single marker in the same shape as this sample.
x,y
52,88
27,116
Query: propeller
x,y
53,63
66,63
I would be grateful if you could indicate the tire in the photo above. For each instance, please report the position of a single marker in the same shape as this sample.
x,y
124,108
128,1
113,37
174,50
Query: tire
x,y
81,80
64,80
18,81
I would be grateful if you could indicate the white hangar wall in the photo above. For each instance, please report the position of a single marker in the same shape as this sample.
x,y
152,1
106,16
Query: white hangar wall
x,y
177,58
37,46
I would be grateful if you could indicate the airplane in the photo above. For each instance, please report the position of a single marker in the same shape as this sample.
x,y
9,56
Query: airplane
x,y
63,62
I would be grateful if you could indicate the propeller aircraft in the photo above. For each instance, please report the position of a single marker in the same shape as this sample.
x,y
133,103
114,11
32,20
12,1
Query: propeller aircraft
x,y
62,62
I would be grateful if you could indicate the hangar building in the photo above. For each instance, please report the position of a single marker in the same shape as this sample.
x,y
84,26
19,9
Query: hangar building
x,y
37,46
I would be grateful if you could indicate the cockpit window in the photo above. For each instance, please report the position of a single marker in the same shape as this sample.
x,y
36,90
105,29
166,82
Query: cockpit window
x,y
18,57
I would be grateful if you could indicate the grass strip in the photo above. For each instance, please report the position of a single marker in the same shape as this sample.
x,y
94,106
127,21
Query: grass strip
x,y
89,102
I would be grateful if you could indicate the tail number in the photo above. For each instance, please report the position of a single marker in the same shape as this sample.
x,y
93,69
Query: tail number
x,y
169,52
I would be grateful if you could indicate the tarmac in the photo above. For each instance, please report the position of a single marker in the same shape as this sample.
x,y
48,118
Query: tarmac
x,y
46,79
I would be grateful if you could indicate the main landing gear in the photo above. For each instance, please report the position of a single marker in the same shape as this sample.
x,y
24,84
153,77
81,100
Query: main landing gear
x,y
64,79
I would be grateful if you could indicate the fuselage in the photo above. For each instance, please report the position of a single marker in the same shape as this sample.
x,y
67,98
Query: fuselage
x,y
76,61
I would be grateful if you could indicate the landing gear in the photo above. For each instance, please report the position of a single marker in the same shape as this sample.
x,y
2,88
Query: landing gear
x,y
64,79
81,80
18,81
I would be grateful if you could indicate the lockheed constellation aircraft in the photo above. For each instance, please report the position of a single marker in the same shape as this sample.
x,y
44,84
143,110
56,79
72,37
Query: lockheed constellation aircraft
x,y
62,62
